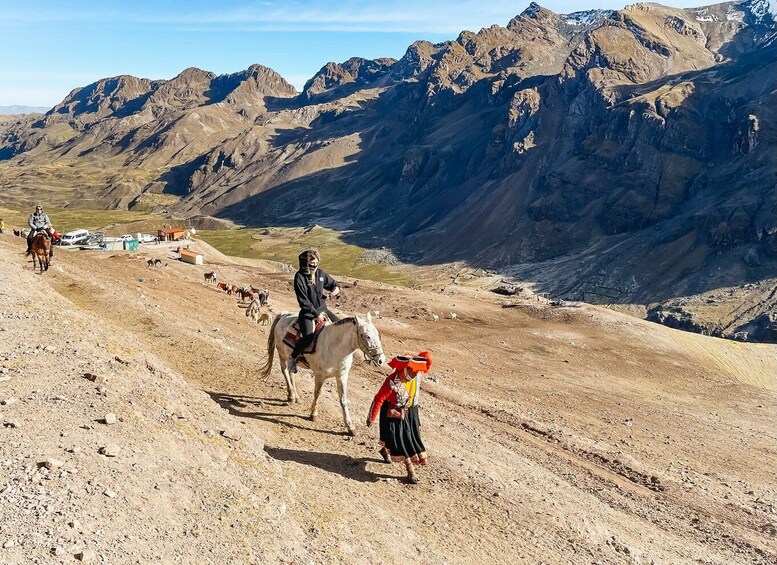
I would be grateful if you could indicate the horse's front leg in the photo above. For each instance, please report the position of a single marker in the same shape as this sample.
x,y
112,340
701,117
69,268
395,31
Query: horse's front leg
x,y
291,389
342,392
316,393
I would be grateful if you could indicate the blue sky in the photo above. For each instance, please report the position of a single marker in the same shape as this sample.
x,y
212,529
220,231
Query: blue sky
x,y
49,47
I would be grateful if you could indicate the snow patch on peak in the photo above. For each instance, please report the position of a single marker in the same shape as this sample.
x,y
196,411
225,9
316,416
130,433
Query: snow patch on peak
x,y
763,11
704,15
734,15
588,17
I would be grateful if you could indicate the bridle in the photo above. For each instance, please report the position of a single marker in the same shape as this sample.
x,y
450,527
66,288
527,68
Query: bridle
x,y
371,354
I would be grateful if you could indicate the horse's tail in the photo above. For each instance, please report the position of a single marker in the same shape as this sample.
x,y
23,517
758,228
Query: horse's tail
x,y
266,369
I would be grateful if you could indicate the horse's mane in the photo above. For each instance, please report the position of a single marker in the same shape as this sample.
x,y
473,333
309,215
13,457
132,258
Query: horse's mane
x,y
350,320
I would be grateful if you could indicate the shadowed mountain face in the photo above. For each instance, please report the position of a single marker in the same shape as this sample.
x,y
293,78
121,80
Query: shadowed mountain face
x,y
625,155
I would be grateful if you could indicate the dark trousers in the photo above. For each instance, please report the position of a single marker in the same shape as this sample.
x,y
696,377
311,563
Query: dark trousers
x,y
307,327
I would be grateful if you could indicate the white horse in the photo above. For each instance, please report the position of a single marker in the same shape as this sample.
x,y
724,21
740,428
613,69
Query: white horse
x,y
333,357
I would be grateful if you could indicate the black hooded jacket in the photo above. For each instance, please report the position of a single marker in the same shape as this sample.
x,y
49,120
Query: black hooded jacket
x,y
310,294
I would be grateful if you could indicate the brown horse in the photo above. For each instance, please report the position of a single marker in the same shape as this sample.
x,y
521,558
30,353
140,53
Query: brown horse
x,y
41,249
243,294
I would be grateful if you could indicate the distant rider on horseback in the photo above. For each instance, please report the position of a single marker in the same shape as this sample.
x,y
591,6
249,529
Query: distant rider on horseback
x,y
38,222
309,285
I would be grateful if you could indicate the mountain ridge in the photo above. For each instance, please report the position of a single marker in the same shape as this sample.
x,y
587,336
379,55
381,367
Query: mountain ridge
x,y
647,128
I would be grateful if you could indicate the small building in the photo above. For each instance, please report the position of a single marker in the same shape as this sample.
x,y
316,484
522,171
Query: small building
x,y
171,234
192,257
131,245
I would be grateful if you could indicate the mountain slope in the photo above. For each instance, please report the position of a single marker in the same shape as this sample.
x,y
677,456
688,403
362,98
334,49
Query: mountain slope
x,y
624,155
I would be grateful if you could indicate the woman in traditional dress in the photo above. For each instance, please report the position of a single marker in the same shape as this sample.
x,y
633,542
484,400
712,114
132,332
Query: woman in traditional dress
x,y
397,404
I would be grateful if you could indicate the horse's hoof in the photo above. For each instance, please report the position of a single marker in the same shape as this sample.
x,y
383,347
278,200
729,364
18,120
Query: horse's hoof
x,y
314,417
351,432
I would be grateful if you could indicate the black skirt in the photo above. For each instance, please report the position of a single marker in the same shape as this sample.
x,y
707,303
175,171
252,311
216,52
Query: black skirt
x,y
402,438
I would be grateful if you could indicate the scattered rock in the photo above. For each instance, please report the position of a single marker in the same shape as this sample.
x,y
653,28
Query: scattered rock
x,y
51,463
109,493
12,424
380,256
110,450
232,433
58,551
8,401
86,555
9,543
110,418
75,524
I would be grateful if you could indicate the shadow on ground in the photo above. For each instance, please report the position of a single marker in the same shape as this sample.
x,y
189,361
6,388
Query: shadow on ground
x,y
263,409
354,468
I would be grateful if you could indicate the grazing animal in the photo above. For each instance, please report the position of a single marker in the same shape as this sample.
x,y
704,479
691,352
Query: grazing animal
x,y
333,357
263,295
243,294
210,278
435,317
257,313
233,289
453,315
40,250
223,286
154,262
264,318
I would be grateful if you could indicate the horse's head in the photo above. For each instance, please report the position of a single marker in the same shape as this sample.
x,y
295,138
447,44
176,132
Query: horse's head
x,y
368,338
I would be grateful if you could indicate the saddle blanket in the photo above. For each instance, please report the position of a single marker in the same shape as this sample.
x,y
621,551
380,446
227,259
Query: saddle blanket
x,y
293,335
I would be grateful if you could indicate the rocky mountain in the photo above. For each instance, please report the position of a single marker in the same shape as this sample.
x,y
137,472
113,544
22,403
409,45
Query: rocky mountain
x,y
614,156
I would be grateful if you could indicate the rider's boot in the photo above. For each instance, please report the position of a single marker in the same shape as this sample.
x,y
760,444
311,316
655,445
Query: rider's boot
x,y
291,365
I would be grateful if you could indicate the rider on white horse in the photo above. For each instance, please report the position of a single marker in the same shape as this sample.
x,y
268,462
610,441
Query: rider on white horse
x,y
309,285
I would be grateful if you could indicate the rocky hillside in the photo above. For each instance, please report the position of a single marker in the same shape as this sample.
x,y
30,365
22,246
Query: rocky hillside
x,y
136,428
615,156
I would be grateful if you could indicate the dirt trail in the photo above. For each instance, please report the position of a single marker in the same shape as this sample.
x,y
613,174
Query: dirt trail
x,y
563,435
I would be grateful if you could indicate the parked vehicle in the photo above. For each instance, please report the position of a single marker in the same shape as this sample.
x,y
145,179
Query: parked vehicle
x,y
112,239
94,238
146,238
75,236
